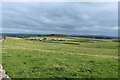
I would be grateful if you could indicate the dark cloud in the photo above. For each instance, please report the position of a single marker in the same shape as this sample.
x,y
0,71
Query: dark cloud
x,y
65,18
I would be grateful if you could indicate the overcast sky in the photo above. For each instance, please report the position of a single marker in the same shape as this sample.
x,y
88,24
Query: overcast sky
x,y
81,18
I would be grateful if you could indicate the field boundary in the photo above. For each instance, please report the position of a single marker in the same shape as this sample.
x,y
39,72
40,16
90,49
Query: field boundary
x,y
3,74
104,56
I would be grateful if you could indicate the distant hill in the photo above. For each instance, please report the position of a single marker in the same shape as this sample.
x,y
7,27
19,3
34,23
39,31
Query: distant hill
x,y
96,37
59,35
56,35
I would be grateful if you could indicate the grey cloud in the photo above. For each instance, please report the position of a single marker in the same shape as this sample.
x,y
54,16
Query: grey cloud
x,y
68,18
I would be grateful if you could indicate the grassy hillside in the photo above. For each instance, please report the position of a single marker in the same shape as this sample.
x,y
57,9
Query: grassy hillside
x,y
66,57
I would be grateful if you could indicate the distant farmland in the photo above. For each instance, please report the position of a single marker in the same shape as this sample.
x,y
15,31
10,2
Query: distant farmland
x,y
60,57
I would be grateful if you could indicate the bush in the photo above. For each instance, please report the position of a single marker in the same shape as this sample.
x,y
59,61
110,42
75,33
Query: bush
x,y
116,40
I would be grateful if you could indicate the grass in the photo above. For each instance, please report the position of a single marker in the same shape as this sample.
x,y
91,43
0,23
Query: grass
x,y
0,51
72,58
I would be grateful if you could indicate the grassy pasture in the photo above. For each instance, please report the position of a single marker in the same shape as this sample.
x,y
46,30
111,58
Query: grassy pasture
x,y
71,58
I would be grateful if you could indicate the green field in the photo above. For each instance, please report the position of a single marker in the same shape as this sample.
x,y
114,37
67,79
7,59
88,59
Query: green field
x,y
64,57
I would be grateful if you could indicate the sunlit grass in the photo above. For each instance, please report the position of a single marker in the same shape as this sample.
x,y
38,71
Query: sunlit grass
x,y
34,59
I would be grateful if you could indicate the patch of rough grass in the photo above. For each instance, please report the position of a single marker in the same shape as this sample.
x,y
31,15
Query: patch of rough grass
x,y
25,63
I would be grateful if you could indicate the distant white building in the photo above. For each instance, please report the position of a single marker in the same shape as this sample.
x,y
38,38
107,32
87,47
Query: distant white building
x,y
0,37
